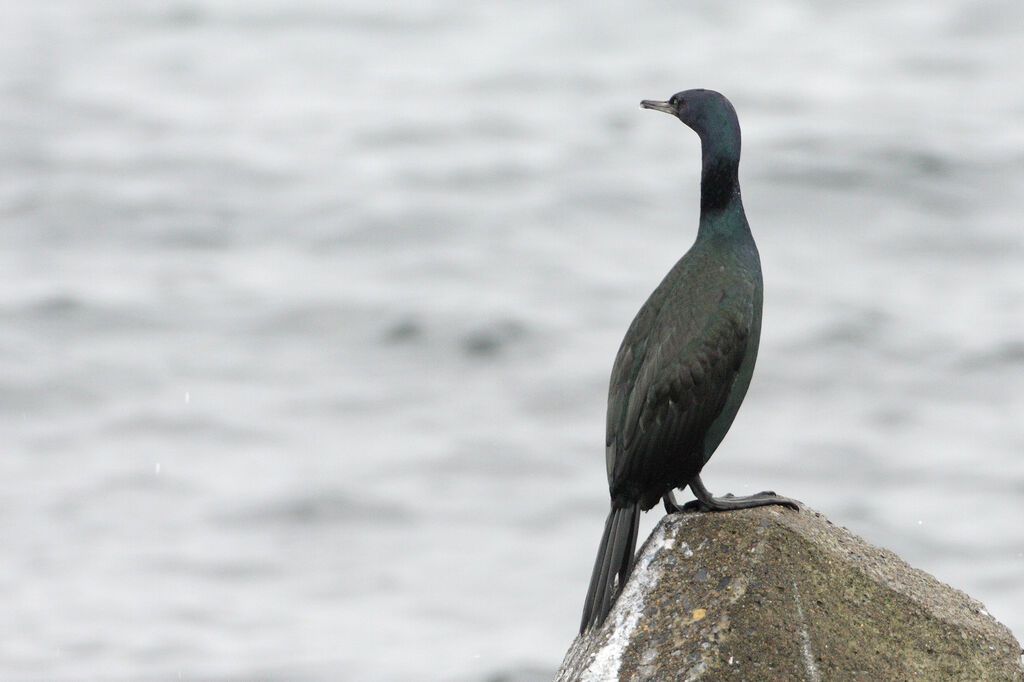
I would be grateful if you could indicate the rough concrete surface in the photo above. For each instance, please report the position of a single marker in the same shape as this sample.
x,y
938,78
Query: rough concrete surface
x,y
775,594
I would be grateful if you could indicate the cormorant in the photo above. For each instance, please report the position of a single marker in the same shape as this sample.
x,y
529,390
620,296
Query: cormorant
x,y
685,363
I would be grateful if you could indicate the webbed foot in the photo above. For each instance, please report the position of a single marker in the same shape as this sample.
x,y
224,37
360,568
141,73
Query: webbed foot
x,y
706,502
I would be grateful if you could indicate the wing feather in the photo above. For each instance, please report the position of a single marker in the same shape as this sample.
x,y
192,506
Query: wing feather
x,y
674,373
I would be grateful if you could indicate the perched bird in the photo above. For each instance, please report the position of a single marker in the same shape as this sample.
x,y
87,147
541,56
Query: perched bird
x,y
686,361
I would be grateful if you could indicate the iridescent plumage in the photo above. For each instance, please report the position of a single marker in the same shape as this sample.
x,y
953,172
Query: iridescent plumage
x,y
686,361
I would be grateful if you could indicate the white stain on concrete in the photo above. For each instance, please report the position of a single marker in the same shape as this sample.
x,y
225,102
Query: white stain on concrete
x,y
626,613
805,640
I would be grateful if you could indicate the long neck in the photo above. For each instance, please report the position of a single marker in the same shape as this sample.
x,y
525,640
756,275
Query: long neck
x,y
721,208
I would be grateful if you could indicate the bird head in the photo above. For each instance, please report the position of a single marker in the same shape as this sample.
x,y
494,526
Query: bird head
x,y
699,109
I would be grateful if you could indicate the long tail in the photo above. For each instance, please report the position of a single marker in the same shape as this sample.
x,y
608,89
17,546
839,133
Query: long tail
x,y
614,555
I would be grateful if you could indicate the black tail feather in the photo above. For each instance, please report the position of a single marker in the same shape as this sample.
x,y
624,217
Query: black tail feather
x,y
629,556
614,556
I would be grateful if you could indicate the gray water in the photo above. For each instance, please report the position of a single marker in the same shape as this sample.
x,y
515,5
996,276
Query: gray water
x,y
308,310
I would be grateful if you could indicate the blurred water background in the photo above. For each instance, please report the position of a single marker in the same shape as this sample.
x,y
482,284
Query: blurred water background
x,y
308,310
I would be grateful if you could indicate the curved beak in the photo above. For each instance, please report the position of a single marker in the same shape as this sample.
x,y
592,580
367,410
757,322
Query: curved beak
x,y
657,106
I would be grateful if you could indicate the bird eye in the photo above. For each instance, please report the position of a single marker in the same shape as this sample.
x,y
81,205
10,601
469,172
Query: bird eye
x,y
674,100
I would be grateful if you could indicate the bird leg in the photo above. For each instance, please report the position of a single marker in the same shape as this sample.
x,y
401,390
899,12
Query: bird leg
x,y
706,502
671,506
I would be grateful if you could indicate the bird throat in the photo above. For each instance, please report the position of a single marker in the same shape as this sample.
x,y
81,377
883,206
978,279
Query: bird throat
x,y
719,184
720,163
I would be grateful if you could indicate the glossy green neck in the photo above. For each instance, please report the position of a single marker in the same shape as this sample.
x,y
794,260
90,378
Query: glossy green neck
x,y
721,207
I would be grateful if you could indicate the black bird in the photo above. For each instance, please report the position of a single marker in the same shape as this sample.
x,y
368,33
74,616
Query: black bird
x,y
686,361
